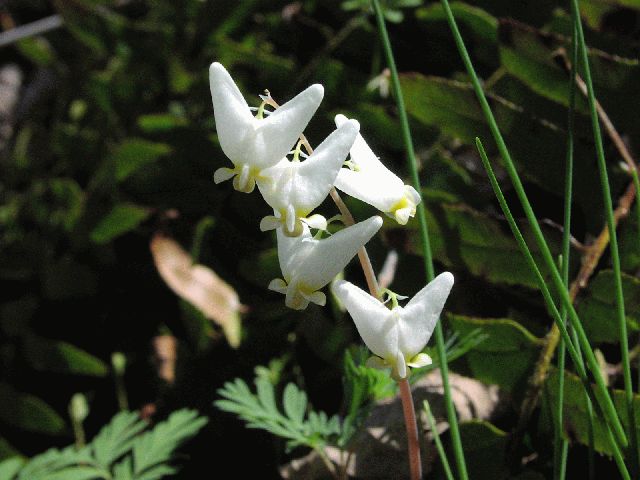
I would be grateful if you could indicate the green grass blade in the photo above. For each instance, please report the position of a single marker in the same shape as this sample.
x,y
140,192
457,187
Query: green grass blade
x,y
604,398
424,237
613,241
436,438
561,445
546,294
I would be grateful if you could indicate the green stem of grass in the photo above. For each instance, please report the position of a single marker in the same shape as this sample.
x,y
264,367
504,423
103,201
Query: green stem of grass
x,y
613,241
436,438
424,236
604,398
561,445
546,294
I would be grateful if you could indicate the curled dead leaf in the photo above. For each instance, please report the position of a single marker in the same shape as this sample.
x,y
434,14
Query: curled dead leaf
x,y
198,285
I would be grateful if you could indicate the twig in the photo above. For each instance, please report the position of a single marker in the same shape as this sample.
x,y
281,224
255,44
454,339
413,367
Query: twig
x,y
30,30
604,118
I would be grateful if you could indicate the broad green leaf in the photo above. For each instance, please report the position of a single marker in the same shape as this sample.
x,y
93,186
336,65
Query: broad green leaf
x,y
61,357
506,355
576,420
28,412
462,236
485,449
597,309
136,153
478,21
528,54
120,220
536,144
446,104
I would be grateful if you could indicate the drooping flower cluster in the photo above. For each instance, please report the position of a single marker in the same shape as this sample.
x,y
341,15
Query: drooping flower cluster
x,y
259,146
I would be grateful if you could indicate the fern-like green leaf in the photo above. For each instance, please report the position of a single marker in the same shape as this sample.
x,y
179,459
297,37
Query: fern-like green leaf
x,y
261,411
154,449
294,403
53,461
139,456
10,467
117,438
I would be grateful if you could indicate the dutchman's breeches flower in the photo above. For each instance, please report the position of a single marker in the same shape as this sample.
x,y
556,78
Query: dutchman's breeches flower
x,y
254,143
370,181
308,264
294,188
396,336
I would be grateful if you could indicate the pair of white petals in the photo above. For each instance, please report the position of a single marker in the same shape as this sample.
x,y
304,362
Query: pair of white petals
x,y
308,264
254,144
396,336
258,149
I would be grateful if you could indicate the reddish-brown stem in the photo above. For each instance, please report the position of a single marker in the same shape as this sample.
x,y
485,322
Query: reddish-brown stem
x,y
413,441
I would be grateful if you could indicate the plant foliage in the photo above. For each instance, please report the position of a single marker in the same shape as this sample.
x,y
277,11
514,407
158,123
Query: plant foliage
x,y
122,450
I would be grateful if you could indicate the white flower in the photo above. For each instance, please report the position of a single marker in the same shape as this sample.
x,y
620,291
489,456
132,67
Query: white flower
x,y
396,336
294,188
308,264
370,181
254,143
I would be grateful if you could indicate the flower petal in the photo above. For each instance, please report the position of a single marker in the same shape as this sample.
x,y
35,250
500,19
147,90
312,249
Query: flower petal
x,y
420,315
316,221
327,257
269,222
380,190
223,174
278,133
278,285
420,360
374,321
234,121
400,368
293,250
317,174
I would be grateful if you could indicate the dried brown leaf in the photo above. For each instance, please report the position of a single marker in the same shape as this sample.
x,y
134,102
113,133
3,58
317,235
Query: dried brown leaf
x,y
198,285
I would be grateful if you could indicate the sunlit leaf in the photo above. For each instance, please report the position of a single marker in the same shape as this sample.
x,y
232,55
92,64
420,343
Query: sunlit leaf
x,y
199,285
28,412
120,220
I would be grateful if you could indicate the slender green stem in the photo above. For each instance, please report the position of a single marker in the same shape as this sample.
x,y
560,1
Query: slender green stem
x,y
604,397
613,241
424,236
436,438
561,445
546,294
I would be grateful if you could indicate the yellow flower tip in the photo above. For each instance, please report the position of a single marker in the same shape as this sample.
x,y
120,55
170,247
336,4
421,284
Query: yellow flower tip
x,y
420,360
405,208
